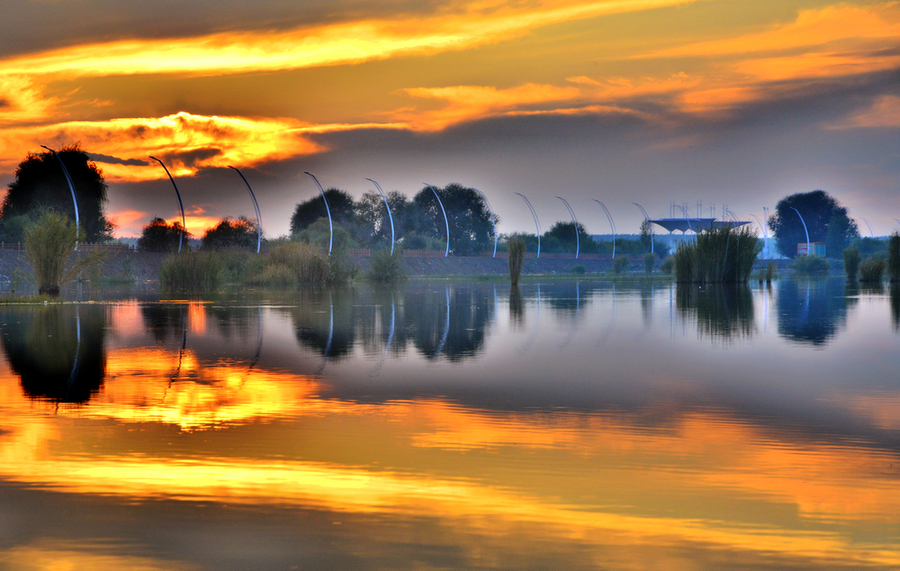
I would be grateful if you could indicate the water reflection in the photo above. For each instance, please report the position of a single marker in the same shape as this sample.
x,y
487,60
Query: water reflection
x,y
813,311
57,350
516,306
895,305
723,311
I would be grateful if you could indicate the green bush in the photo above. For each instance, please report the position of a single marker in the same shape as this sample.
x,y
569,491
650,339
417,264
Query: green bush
x,y
649,262
578,270
717,256
620,264
191,271
668,265
516,247
810,265
893,261
49,248
851,262
770,272
872,269
387,267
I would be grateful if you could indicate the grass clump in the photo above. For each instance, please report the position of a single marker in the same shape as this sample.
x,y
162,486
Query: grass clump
x,y
578,270
191,271
620,264
810,265
871,270
668,265
516,246
893,261
851,263
387,267
649,262
725,255
50,251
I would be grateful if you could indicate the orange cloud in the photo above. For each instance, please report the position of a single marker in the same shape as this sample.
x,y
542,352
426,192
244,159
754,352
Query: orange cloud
x,y
884,113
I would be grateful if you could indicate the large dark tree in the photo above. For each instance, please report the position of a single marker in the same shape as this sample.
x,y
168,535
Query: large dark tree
x,y
339,202
158,236
41,185
560,238
240,233
826,220
469,219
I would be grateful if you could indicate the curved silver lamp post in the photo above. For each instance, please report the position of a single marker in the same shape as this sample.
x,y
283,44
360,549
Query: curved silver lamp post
x,y
71,188
574,223
536,223
388,206
871,233
180,204
327,211
808,248
446,222
649,225
256,207
491,212
686,217
613,226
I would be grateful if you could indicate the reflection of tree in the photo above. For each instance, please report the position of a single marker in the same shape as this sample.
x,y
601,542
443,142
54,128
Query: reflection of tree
x,y
721,310
325,322
516,306
163,320
57,350
812,311
460,336
895,305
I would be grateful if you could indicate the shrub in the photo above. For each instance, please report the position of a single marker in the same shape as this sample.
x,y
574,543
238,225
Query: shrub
x,y
893,261
516,247
620,264
851,262
189,271
717,256
668,265
49,247
387,267
810,265
770,272
578,270
871,269
649,262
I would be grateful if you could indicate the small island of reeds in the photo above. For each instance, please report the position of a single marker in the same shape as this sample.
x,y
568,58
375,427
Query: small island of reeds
x,y
724,255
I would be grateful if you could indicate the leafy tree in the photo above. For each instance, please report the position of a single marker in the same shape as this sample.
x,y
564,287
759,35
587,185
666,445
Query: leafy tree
x,y
468,217
159,236
228,233
375,224
40,185
560,238
339,202
826,220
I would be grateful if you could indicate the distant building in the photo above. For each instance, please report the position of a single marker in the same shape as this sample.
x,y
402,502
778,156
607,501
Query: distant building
x,y
818,249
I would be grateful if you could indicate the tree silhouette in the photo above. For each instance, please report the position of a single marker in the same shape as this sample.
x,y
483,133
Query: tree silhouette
x,y
307,212
825,218
41,185
469,219
240,233
159,236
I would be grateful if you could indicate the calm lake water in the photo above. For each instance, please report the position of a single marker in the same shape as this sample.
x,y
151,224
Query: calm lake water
x,y
563,425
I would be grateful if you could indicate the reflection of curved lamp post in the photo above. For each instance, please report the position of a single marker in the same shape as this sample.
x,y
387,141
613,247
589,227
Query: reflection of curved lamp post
x,y
446,325
536,223
808,248
613,227
180,204
649,225
71,188
575,224
255,206
491,212
388,206
446,222
327,211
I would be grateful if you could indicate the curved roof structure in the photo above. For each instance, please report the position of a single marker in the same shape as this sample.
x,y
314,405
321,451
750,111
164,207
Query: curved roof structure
x,y
696,224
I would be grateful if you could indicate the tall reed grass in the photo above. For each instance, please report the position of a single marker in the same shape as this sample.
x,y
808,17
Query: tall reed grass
x,y
516,247
717,256
893,261
387,267
50,251
871,270
851,263
191,271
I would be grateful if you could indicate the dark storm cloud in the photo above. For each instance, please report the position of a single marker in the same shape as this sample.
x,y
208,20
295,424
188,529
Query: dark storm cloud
x,y
30,26
116,161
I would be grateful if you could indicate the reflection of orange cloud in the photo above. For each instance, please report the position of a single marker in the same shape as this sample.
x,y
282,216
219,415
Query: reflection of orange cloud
x,y
184,141
46,555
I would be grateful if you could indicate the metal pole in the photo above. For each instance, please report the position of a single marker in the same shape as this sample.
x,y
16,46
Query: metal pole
x,y
869,225
491,212
255,206
327,211
536,223
613,227
71,189
765,236
649,225
446,222
575,223
388,206
180,204
808,248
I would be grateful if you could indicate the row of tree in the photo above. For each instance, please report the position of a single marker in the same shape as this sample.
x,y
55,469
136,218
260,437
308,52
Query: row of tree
x,y
418,223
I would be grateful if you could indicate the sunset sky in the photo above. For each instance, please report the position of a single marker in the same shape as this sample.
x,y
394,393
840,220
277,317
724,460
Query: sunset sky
x,y
726,103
